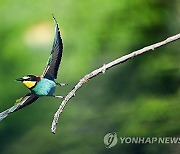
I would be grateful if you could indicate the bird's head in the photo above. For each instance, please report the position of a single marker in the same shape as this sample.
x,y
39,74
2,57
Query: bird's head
x,y
29,81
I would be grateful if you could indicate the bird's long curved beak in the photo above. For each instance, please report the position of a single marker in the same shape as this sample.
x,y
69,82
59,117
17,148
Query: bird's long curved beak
x,y
19,79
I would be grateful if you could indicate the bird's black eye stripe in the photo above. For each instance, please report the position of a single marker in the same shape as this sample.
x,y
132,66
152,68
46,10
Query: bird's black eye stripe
x,y
31,78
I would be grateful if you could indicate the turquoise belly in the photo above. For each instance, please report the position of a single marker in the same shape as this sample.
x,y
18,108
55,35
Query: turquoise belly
x,y
44,87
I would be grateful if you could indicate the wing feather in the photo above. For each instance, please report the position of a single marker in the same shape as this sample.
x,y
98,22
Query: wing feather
x,y
26,100
53,63
22,102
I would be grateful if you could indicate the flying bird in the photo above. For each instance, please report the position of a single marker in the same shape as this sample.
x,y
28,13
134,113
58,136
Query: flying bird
x,y
45,84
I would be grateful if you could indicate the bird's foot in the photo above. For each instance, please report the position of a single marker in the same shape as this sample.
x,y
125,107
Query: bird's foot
x,y
62,84
59,97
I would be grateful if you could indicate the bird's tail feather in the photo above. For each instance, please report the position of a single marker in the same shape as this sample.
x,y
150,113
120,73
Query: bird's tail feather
x,y
5,113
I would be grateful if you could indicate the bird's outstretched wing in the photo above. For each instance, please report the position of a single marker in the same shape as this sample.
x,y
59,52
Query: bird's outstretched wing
x,y
53,63
22,102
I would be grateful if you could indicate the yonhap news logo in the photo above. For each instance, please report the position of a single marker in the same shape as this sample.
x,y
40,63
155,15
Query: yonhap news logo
x,y
149,140
111,139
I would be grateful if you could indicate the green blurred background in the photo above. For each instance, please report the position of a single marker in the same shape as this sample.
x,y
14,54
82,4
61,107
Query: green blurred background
x,y
138,98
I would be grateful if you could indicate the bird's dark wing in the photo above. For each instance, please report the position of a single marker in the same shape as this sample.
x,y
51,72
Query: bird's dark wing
x,y
53,63
22,102
26,100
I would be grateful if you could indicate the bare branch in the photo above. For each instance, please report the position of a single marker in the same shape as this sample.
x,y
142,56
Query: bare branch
x,y
102,70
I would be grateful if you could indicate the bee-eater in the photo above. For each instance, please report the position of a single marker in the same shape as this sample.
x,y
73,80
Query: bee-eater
x,y
45,84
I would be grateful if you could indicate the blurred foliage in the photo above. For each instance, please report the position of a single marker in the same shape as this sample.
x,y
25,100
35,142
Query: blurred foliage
x,y
138,98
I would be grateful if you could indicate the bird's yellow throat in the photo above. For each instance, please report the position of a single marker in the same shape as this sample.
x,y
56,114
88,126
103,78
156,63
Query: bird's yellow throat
x,y
29,84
